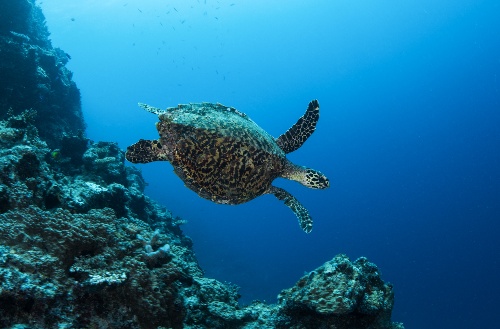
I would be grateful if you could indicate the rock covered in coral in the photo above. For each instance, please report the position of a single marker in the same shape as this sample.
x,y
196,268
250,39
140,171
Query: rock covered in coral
x,y
33,73
342,294
107,160
79,270
30,175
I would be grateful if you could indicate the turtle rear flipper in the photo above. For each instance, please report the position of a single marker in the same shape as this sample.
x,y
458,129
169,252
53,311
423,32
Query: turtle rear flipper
x,y
145,151
294,137
305,220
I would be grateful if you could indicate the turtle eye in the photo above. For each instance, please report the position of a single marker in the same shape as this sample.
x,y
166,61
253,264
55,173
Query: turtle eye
x,y
158,145
323,182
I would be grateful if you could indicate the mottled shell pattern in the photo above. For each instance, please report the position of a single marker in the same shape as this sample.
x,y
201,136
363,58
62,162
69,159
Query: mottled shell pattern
x,y
219,152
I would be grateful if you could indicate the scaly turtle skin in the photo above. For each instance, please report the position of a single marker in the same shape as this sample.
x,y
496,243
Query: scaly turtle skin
x,y
227,158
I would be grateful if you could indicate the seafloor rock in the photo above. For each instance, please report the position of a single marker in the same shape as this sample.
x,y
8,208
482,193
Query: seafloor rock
x,y
339,294
81,246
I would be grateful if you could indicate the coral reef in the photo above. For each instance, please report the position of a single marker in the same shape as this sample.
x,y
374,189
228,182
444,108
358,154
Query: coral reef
x,y
81,246
33,73
69,251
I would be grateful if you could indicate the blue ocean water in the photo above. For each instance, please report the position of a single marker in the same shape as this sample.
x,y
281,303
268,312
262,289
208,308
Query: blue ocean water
x,y
409,133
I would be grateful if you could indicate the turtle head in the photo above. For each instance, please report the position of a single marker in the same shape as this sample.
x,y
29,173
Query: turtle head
x,y
314,179
306,176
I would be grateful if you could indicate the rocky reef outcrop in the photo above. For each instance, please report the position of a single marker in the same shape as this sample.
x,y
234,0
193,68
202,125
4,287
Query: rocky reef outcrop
x,y
339,294
81,246
33,74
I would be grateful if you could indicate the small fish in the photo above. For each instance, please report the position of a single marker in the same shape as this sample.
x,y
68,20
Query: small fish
x,y
56,154
176,10
139,10
216,18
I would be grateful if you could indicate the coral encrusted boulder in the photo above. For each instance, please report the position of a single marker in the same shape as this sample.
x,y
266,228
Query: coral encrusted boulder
x,y
341,294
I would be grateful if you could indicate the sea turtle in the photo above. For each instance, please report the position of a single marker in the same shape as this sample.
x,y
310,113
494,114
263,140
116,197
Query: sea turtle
x,y
227,158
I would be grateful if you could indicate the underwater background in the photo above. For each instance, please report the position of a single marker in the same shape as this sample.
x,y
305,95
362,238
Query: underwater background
x,y
409,133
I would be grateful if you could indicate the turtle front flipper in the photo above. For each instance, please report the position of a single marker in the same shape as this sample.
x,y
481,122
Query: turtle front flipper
x,y
294,137
305,220
145,151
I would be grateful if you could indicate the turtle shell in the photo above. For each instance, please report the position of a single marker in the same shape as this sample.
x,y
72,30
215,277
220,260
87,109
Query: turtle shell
x,y
219,152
